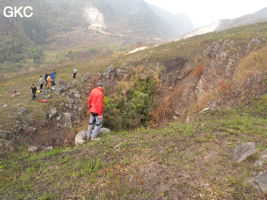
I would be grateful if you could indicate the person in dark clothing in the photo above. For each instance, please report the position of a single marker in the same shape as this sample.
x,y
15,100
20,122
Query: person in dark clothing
x,y
74,72
34,89
45,78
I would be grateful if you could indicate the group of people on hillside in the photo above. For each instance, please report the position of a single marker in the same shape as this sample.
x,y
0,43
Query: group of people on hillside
x,y
48,80
44,80
95,102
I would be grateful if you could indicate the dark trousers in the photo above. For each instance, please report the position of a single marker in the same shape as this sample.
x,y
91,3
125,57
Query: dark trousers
x,y
41,86
74,75
33,96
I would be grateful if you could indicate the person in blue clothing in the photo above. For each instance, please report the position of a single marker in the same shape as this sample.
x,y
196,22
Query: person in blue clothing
x,y
53,77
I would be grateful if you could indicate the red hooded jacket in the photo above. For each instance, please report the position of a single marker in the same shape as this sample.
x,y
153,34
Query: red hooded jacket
x,y
95,101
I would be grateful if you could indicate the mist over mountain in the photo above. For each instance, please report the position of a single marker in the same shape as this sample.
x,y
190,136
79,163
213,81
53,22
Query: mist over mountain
x,y
257,17
71,24
220,25
141,18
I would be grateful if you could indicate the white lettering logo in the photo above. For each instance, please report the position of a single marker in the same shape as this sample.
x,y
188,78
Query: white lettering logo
x,y
14,12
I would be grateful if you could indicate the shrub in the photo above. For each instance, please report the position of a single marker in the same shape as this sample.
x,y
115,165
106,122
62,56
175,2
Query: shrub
x,y
131,109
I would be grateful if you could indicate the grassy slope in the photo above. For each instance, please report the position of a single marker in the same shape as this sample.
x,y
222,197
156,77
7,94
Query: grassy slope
x,y
184,161
188,49
22,84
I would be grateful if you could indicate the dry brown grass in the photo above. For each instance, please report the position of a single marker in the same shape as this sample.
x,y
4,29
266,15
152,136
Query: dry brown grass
x,y
253,64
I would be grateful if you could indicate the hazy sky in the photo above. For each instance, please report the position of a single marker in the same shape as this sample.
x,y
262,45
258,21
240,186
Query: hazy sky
x,y
204,12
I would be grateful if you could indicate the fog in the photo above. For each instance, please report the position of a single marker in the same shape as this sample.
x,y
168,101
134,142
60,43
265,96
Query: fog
x,y
205,12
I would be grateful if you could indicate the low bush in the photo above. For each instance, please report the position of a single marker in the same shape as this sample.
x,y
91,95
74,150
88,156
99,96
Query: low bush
x,y
130,109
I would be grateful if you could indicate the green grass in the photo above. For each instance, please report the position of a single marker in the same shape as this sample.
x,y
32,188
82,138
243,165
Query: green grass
x,y
181,160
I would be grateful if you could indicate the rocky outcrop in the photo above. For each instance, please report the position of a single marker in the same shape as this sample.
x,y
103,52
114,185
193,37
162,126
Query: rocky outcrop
x,y
243,151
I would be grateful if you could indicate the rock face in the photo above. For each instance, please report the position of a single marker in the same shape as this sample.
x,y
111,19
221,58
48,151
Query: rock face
x,y
80,138
263,158
260,182
243,151
110,73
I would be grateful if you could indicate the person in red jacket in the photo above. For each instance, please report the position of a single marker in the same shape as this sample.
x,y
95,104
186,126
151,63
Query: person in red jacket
x,y
95,107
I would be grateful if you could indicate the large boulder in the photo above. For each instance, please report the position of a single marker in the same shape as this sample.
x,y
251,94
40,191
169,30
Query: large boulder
x,y
81,138
260,182
243,151
263,158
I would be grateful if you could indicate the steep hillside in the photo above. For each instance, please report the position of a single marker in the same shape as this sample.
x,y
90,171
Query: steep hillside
x,y
174,81
205,96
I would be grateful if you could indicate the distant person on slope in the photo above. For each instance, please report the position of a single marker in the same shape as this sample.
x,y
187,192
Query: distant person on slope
x,y
48,81
45,78
74,71
53,77
34,89
41,82
95,108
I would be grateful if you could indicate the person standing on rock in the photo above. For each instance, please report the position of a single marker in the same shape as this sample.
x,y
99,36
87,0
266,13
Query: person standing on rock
x,y
95,109
74,71
34,89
